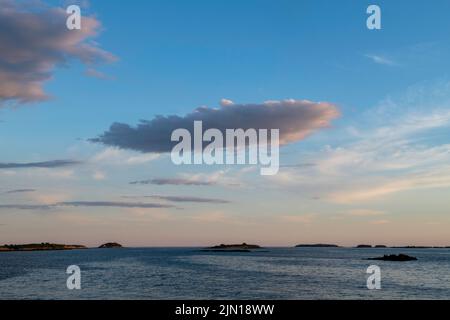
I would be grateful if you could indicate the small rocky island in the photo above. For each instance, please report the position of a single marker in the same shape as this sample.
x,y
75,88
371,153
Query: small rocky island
x,y
45,246
317,245
244,247
110,245
394,257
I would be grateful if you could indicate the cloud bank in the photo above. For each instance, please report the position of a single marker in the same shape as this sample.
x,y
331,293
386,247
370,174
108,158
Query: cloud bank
x,y
295,119
34,40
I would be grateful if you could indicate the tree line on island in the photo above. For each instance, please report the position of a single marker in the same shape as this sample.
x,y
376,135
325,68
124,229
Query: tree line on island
x,y
45,246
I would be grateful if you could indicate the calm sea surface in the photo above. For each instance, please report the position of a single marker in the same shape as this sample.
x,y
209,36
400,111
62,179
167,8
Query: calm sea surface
x,y
188,273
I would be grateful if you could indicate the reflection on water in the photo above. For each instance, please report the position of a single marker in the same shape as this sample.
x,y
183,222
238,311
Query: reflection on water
x,y
276,273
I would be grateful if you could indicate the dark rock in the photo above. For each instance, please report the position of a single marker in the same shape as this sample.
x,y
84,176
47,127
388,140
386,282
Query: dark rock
x,y
364,246
414,247
380,246
393,257
227,250
317,245
244,247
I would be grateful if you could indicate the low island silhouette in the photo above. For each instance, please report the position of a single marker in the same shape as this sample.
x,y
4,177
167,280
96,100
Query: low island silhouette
x,y
110,245
44,246
244,247
393,257
317,245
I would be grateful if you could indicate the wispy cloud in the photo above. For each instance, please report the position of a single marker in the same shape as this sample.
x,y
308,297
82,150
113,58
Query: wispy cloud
x,y
25,206
380,222
185,199
401,146
19,191
369,191
212,217
301,218
45,164
110,204
222,178
97,74
116,156
174,181
298,166
365,213
99,175
378,59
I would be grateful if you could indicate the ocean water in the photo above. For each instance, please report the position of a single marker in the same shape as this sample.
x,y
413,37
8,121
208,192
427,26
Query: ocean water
x,y
189,273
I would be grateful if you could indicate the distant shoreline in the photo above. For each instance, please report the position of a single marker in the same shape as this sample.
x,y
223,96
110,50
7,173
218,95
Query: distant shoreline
x,y
221,248
366,246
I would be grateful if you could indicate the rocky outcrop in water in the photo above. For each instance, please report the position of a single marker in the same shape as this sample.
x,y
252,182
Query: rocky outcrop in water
x,y
244,247
394,257
317,245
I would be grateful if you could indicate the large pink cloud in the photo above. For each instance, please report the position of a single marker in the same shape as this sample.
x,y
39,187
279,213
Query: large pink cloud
x,y
295,119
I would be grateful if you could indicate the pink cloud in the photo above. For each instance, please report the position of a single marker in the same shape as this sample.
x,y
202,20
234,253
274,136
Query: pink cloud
x,y
34,40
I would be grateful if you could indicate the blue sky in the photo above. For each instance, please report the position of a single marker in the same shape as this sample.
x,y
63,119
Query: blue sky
x,y
200,52
391,86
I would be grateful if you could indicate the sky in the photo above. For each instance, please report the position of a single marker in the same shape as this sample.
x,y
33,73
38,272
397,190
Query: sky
x,y
364,114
